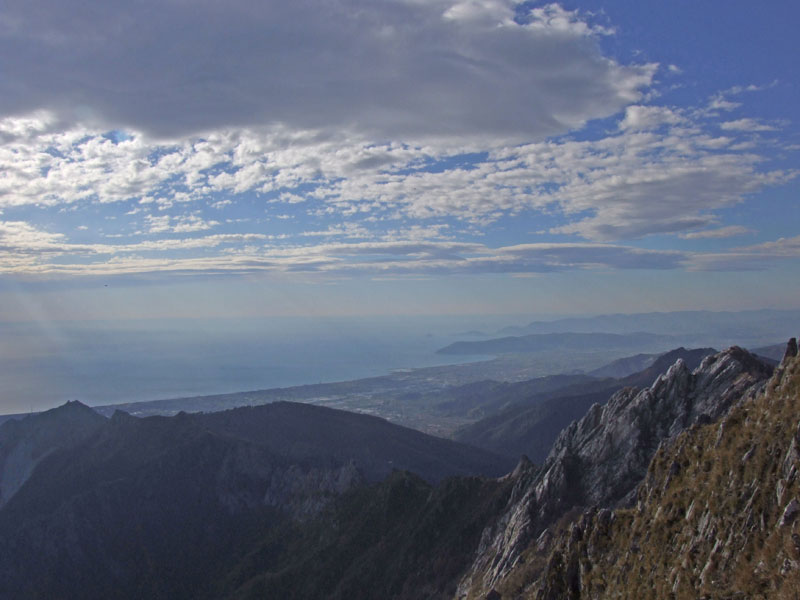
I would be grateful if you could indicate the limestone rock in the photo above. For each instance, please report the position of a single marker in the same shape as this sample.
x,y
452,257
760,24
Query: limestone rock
x,y
600,459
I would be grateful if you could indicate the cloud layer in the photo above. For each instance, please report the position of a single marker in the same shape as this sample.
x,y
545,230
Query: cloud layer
x,y
393,69
353,137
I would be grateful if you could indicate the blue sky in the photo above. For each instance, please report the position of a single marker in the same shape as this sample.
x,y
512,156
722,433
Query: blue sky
x,y
177,159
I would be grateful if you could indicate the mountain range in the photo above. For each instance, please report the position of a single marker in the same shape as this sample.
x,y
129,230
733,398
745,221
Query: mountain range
x,y
128,507
749,328
553,342
682,477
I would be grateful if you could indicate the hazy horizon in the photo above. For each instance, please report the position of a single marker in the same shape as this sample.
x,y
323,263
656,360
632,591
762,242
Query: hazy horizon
x,y
101,362
396,159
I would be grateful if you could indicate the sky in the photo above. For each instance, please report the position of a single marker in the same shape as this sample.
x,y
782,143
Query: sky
x,y
387,157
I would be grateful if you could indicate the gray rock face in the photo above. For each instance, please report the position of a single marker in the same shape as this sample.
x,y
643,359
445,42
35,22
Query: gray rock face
x,y
716,514
600,459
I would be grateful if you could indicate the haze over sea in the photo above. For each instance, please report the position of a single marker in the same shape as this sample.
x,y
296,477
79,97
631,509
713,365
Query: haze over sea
x,y
103,362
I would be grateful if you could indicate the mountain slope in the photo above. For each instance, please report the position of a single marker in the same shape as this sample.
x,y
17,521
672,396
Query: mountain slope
x,y
164,507
717,515
627,365
531,426
488,397
600,459
402,539
24,443
305,433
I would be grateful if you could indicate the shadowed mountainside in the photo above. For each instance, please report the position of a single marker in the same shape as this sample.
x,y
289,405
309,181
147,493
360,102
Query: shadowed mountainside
x,y
531,424
290,501
716,516
26,442
305,432
599,460
163,507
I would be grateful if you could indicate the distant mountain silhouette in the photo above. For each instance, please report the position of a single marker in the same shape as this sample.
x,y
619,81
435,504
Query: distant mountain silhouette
x,y
25,442
548,342
751,327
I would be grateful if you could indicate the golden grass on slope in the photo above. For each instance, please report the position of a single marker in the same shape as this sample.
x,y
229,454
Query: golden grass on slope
x,y
708,523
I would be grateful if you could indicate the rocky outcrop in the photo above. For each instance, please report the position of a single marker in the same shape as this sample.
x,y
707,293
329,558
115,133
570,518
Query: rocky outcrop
x,y
600,459
532,425
715,517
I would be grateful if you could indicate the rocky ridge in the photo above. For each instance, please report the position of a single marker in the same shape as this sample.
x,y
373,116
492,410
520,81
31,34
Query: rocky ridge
x,y
600,459
532,424
25,443
716,516
164,507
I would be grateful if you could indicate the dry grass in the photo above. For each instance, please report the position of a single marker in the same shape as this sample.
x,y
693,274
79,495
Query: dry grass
x,y
707,524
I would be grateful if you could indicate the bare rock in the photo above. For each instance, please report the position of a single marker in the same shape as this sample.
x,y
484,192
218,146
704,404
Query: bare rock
x,y
790,513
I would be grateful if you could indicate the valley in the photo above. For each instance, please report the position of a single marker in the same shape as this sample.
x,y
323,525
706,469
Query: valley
x,y
288,499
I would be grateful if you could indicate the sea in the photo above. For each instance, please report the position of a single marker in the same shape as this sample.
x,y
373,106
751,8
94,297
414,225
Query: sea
x,y
44,364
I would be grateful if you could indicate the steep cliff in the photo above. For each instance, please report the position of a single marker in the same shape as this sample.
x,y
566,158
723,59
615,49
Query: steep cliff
x,y
532,425
600,459
716,516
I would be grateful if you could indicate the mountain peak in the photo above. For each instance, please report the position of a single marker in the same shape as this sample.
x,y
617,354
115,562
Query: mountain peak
x,y
25,443
728,492
791,351
599,459
523,466
72,406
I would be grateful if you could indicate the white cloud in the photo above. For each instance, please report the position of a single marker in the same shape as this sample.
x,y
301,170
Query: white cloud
x,y
24,249
662,171
649,117
222,119
363,258
398,69
347,230
177,224
719,232
157,224
191,223
720,103
20,236
755,257
746,125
